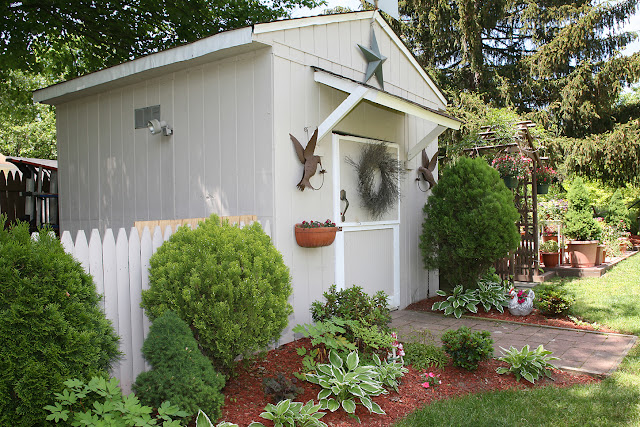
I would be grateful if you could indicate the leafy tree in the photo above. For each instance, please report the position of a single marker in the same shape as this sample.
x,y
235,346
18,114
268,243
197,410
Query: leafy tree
x,y
469,222
559,58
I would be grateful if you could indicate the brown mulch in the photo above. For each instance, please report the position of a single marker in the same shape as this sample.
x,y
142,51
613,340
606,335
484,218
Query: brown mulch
x,y
534,318
245,398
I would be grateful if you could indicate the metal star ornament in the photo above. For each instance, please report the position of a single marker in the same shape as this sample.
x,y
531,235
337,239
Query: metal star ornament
x,y
374,60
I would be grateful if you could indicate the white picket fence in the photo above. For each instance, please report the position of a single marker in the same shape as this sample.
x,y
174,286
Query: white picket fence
x,y
120,269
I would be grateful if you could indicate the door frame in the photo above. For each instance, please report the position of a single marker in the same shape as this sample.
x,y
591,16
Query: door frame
x,y
348,227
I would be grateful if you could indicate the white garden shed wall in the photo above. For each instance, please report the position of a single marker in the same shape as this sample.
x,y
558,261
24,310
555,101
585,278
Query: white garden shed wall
x,y
232,100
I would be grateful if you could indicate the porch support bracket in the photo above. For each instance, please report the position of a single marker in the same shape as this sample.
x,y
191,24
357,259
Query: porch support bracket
x,y
343,109
431,136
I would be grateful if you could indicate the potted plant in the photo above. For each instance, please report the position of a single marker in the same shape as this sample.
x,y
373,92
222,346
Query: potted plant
x,y
521,303
550,252
512,168
544,177
581,227
314,234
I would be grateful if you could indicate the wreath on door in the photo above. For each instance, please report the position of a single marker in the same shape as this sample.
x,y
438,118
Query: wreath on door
x,y
376,157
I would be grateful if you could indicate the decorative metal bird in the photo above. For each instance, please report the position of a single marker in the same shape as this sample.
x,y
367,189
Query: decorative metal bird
x,y
308,159
427,168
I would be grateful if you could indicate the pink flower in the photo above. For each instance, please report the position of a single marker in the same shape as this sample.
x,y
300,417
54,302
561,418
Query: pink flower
x,y
401,353
425,385
431,374
395,343
394,335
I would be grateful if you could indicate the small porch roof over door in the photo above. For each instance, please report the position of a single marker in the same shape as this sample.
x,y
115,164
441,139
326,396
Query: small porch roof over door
x,y
359,91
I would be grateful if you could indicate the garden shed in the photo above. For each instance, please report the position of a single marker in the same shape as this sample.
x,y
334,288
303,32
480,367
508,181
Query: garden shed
x,y
205,128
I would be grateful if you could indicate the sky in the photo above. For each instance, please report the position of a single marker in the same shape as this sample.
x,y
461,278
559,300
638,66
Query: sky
x,y
633,25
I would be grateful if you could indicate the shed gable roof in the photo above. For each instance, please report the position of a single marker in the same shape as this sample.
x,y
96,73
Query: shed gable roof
x,y
218,46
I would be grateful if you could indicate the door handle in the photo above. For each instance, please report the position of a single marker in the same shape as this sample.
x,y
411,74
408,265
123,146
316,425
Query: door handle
x,y
343,196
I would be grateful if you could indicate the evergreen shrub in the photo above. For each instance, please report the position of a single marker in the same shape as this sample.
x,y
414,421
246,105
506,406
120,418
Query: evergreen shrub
x,y
229,284
51,326
470,222
553,300
180,373
467,347
617,213
579,221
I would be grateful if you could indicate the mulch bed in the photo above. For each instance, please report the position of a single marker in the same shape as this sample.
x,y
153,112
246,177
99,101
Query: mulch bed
x,y
245,398
534,318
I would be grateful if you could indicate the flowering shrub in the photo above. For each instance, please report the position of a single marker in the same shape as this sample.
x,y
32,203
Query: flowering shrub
x,y
431,380
545,174
317,224
515,166
553,209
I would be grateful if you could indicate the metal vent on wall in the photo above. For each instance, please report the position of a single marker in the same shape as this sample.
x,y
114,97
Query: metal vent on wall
x,y
144,115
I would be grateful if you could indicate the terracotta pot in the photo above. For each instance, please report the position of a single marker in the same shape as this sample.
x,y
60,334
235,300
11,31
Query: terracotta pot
x,y
542,188
550,259
600,255
548,238
623,247
510,181
315,237
582,253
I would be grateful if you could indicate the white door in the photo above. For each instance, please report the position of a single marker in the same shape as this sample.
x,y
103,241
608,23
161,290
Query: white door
x,y
368,249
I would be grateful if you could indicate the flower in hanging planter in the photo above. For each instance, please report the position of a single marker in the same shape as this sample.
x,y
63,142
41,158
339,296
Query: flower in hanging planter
x,y
545,174
317,224
516,166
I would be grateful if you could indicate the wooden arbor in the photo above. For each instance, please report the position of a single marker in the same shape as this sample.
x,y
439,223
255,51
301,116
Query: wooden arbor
x,y
523,264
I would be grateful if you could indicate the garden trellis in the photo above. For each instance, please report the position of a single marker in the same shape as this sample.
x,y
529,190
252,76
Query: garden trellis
x,y
119,265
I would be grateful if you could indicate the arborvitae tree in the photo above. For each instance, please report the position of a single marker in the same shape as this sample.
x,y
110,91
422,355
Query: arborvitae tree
x,y
470,222
579,221
617,213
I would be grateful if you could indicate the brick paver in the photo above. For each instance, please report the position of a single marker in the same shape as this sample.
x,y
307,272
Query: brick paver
x,y
597,353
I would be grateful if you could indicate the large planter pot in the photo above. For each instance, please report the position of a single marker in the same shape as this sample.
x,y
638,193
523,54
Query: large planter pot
x,y
600,255
315,237
550,259
510,181
542,188
582,253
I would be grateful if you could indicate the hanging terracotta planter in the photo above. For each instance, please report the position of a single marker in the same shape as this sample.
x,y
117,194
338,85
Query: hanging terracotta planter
x,y
542,188
510,181
315,237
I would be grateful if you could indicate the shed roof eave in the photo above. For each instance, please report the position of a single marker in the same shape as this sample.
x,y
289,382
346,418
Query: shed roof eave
x,y
234,42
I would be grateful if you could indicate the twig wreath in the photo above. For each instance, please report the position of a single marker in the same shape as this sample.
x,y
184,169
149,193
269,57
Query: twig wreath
x,y
377,157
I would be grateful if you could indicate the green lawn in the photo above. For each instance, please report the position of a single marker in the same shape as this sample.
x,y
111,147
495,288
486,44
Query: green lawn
x,y
612,300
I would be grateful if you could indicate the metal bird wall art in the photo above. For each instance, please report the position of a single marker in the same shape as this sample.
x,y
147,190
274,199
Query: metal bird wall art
x,y
308,159
427,168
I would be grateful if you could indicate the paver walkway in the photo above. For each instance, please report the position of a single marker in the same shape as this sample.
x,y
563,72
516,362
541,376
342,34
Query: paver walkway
x,y
583,351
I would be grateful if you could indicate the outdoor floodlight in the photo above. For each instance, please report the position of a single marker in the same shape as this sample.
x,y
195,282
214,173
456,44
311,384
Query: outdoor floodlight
x,y
157,126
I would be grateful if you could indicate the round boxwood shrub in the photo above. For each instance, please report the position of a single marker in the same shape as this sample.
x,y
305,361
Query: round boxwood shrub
x,y
469,223
51,325
467,348
229,284
180,373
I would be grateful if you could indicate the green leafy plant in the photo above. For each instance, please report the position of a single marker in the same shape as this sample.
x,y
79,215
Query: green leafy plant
x,y
550,246
292,414
553,300
370,339
469,223
228,283
180,372
101,403
309,361
317,224
579,221
280,388
389,372
353,304
527,364
328,334
516,166
616,212
423,356
458,302
467,348
51,324
491,292
344,384
202,420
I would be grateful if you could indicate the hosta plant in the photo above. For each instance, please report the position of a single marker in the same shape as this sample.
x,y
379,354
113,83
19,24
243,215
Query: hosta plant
x,y
203,421
459,301
492,293
345,384
527,364
389,372
292,414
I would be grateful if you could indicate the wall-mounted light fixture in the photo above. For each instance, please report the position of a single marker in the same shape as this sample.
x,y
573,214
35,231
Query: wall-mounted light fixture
x,y
157,126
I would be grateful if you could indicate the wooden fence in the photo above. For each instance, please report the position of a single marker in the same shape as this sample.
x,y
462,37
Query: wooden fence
x,y
119,265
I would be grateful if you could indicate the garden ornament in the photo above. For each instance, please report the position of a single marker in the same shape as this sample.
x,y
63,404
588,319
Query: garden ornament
x,y
521,303
308,159
427,168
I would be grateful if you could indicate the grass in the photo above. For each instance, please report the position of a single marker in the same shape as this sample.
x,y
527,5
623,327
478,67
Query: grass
x,y
612,300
